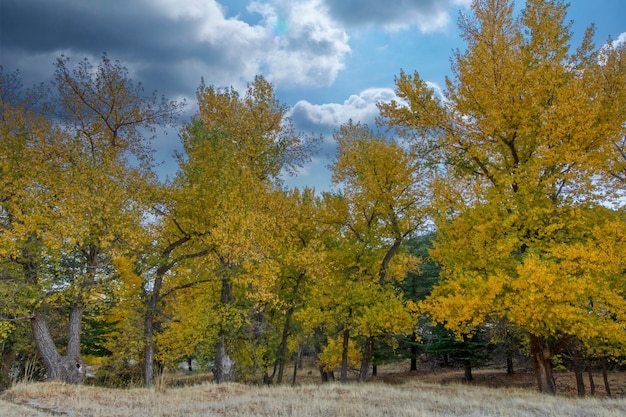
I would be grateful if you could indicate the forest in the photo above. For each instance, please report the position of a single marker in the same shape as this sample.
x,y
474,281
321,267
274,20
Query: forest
x,y
487,221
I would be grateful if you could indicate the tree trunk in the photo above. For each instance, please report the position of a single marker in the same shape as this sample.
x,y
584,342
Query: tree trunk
x,y
414,352
68,368
327,376
605,378
297,363
367,358
148,332
281,360
509,365
344,356
592,384
224,366
541,355
578,372
282,351
467,366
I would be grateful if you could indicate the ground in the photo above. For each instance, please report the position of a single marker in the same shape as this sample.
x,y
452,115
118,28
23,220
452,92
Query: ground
x,y
398,373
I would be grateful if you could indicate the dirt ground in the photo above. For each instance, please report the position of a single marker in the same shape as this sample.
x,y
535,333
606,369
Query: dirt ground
x,y
496,378
524,378
398,373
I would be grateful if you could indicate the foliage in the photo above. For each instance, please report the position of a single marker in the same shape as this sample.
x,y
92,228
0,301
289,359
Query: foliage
x,y
524,131
78,180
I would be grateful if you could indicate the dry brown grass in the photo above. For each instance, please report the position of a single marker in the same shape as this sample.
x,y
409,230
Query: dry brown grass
x,y
408,398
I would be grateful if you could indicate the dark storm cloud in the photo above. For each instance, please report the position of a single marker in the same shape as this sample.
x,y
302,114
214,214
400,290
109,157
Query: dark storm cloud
x,y
125,30
426,14
171,44
119,26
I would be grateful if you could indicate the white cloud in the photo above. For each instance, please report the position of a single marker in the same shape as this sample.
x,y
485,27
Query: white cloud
x,y
306,47
606,48
328,117
620,40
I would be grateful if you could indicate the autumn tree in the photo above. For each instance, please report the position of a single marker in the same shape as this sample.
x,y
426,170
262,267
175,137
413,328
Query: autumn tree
x,y
380,204
522,133
296,249
235,150
80,181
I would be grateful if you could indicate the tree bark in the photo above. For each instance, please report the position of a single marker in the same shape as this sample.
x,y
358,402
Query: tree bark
x,y
541,355
578,372
467,367
414,352
344,356
224,367
367,358
68,368
592,384
605,378
296,364
282,352
327,376
148,332
509,365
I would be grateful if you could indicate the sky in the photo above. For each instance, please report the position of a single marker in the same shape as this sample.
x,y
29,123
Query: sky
x,y
329,60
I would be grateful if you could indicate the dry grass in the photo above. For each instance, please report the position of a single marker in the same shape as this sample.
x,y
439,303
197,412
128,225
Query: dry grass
x,y
409,398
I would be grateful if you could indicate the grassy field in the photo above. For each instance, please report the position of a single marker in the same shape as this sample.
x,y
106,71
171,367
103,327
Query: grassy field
x,y
409,398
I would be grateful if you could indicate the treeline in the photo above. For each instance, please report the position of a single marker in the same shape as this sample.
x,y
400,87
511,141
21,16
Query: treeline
x,y
515,174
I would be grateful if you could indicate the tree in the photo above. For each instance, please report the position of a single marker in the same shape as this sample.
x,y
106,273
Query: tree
x,y
523,133
298,251
417,285
236,149
81,169
381,204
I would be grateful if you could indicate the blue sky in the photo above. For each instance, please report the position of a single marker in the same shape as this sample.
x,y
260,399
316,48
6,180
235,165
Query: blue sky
x,y
330,60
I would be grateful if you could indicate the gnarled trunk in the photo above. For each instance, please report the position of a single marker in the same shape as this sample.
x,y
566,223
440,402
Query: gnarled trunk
x,y
541,355
69,367
224,366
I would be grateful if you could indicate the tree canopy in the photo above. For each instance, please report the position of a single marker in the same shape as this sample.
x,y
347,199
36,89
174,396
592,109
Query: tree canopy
x,y
523,134
509,187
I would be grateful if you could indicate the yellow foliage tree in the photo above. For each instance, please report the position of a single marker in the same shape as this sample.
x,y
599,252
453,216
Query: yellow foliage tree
x,y
381,203
523,133
81,180
236,149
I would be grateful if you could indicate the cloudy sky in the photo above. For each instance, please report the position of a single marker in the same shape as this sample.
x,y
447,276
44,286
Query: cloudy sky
x,y
330,60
